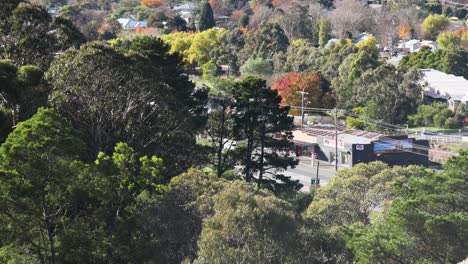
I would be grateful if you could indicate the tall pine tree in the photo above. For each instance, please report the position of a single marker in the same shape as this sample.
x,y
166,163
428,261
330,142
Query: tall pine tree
x,y
265,127
206,19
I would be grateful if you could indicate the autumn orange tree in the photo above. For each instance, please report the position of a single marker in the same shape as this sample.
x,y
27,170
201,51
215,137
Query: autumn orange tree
x,y
404,31
292,84
152,3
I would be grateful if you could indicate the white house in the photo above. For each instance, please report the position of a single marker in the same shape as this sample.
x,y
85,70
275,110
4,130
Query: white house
x,y
445,87
185,7
414,45
130,24
186,11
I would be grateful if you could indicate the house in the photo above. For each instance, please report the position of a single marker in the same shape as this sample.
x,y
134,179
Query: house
x,y
357,146
414,45
130,24
185,7
186,12
187,16
443,87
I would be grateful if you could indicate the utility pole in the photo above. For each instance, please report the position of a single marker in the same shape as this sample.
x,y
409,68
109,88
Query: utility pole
x,y
336,139
317,175
302,107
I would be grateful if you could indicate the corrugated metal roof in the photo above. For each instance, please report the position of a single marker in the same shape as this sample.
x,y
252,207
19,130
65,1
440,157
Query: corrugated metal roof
x,y
443,85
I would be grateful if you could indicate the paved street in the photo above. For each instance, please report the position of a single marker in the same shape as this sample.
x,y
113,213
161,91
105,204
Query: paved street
x,y
304,172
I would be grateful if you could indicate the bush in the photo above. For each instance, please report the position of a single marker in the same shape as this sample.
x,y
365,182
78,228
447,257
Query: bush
x,y
209,70
452,123
256,67
439,120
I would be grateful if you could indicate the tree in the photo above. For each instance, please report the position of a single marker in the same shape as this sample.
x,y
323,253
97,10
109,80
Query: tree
x,y
249,226
299,57
6,123
202,45
352,195
176,23
256,67
38,182
292,84
121,190
350,70
220,128
351,18
448,41
177,216
265,125
387,94
448,61
431,115
434,24
290,17
156,19
230,44
324,32
425,222
244,21
264,42
206,20
144,99
30,36
152,3
370,42
404,31
22,90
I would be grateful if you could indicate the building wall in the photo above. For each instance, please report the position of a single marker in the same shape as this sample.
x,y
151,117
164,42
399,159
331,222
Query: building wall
x,y
351,154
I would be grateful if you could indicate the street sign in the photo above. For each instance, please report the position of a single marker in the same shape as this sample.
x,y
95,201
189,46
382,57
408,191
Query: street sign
x,y
315,181
359,147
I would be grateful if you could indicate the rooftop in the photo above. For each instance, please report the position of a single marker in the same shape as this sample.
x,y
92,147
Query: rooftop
x,y
347,135
188,6
443,85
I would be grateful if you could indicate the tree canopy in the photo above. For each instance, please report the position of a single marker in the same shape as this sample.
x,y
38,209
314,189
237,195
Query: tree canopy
x,y
112,97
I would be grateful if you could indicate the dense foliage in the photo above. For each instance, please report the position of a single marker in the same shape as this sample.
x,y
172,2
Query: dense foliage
x,y
113,152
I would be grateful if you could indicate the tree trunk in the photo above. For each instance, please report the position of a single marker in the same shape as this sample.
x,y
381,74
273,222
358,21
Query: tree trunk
x,y
262,154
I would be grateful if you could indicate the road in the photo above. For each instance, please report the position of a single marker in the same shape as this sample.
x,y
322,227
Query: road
x,y
304,172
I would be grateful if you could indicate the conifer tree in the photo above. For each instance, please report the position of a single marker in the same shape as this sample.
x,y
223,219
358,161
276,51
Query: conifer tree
x,y
206,20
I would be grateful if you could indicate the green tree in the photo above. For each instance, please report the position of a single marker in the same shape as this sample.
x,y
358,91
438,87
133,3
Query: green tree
x,y
448,41
250,225
177,216
22,90
433,24
256,67
324,32
431,115
121,191
227,51
266,127
244,21
448,61
353,194
426,222
176,23
30,36
144,99
264,42
38,193
299,57
220,128
206,18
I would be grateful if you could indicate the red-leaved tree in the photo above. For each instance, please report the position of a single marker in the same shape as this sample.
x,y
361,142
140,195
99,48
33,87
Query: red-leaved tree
x,y
292,84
